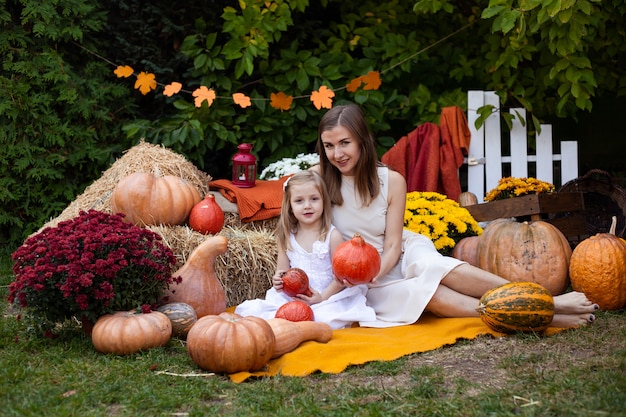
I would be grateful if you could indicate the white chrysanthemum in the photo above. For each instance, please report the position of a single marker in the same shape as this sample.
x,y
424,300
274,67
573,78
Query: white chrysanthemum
x,y
288,166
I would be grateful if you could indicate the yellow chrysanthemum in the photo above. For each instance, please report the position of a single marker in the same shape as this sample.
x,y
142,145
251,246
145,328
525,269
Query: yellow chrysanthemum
x,y
509,187
439,218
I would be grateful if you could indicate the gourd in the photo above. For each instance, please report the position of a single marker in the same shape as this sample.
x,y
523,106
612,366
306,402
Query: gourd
x,y
467,199
207,217
126,332
295,310
466,250
198,286
181,315
517,307
526,251
598,269
295,281
356,261
228,343
289,335
146,199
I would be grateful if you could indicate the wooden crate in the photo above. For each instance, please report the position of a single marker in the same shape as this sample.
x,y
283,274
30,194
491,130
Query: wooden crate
x,y
544,207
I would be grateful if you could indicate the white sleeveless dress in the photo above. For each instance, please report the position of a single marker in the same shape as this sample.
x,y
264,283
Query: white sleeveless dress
x,y
401,296
340,310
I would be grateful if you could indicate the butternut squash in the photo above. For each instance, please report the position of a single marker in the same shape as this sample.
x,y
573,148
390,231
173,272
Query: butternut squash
x,y
198,286
290,334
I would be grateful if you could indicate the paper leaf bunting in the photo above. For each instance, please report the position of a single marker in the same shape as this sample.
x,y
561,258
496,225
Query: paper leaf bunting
x,y
172,89
242,100
354,85
145,82
372,80
123,71
281,101
201,94
323,98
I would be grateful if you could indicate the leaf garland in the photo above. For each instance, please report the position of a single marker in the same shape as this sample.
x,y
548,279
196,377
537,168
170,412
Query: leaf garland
x,y
321,98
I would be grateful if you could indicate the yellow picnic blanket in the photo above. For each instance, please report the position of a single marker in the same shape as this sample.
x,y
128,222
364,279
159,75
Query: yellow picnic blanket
x,y
359,345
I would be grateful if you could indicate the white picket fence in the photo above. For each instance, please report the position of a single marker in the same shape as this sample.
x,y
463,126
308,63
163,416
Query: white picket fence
x,y
486,164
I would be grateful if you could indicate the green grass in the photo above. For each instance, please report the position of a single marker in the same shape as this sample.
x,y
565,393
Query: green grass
x,y
574,373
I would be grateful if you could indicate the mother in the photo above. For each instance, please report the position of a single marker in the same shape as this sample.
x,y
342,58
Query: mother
x,y
369,198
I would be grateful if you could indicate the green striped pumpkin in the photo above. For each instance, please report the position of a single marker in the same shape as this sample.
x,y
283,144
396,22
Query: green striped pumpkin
x,y
517,307
181,315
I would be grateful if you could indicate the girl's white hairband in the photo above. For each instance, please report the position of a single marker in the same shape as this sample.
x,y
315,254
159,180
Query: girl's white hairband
x,y
285,183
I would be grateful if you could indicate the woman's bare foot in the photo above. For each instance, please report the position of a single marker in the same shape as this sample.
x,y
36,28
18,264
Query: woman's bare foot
x,y
573,303
569,321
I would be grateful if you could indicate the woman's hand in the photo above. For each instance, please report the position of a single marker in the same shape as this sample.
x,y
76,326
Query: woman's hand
x,y
277,280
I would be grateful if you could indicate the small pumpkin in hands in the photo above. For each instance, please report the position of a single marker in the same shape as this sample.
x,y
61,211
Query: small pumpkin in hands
x,y
517,307
296,281
356,261
295,310
207,217
228,343
126,332
182,316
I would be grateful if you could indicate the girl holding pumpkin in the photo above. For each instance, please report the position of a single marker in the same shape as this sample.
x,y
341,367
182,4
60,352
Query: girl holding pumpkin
x,y
306,239
369,198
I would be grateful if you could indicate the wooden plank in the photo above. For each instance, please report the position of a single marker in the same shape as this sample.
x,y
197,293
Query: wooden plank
x,y
476,172
493,146
570,226
519,144
545,163
527,205
569,161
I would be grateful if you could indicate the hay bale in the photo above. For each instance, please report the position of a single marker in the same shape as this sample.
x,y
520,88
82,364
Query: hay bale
x,y
245,270
144,157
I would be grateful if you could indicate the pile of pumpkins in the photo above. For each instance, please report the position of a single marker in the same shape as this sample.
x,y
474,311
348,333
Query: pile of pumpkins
x,y
147,199
538,260
195,310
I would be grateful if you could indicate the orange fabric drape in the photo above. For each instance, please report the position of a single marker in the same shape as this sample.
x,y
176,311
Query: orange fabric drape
x,y
260,202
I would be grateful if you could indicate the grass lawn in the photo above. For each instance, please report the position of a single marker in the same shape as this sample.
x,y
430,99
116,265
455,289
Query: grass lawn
x,y
578,372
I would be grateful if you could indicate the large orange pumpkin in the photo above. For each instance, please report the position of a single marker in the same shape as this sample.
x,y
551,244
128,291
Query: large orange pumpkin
x,y
126,332
198,286
526,251
228,343
146,199
356,261
598,269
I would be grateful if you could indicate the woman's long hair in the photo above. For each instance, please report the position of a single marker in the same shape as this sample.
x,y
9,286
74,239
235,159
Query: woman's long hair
x,y
366,180
287,223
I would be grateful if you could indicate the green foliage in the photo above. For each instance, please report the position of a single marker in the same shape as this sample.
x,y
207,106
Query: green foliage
x,y
57,113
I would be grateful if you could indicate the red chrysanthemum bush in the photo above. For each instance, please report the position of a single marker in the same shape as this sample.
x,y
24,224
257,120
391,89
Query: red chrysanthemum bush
x,y
89,266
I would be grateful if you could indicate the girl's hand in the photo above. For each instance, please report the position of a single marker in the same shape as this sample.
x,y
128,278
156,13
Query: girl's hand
x,y
315,297
277,280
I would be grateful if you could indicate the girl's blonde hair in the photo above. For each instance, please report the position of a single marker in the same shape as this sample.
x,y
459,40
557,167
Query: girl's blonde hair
x,y
287,222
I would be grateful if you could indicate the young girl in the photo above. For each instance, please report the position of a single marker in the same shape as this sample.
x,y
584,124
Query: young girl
x,y
369,198
306,239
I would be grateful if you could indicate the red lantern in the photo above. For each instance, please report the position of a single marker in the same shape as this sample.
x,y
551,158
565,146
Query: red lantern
x,y
244,167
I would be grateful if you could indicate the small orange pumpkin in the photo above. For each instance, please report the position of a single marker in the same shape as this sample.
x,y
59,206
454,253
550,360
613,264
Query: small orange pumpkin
x,y
207,217
466,250
126,332
296,281
228,343
598,269
356,261
146,199
526,251
295,310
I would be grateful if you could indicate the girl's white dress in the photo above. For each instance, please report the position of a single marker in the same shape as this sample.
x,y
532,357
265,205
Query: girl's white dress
x,y
401,296
340,310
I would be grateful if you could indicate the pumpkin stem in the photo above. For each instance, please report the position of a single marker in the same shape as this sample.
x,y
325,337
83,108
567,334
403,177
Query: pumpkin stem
x,y
613,225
